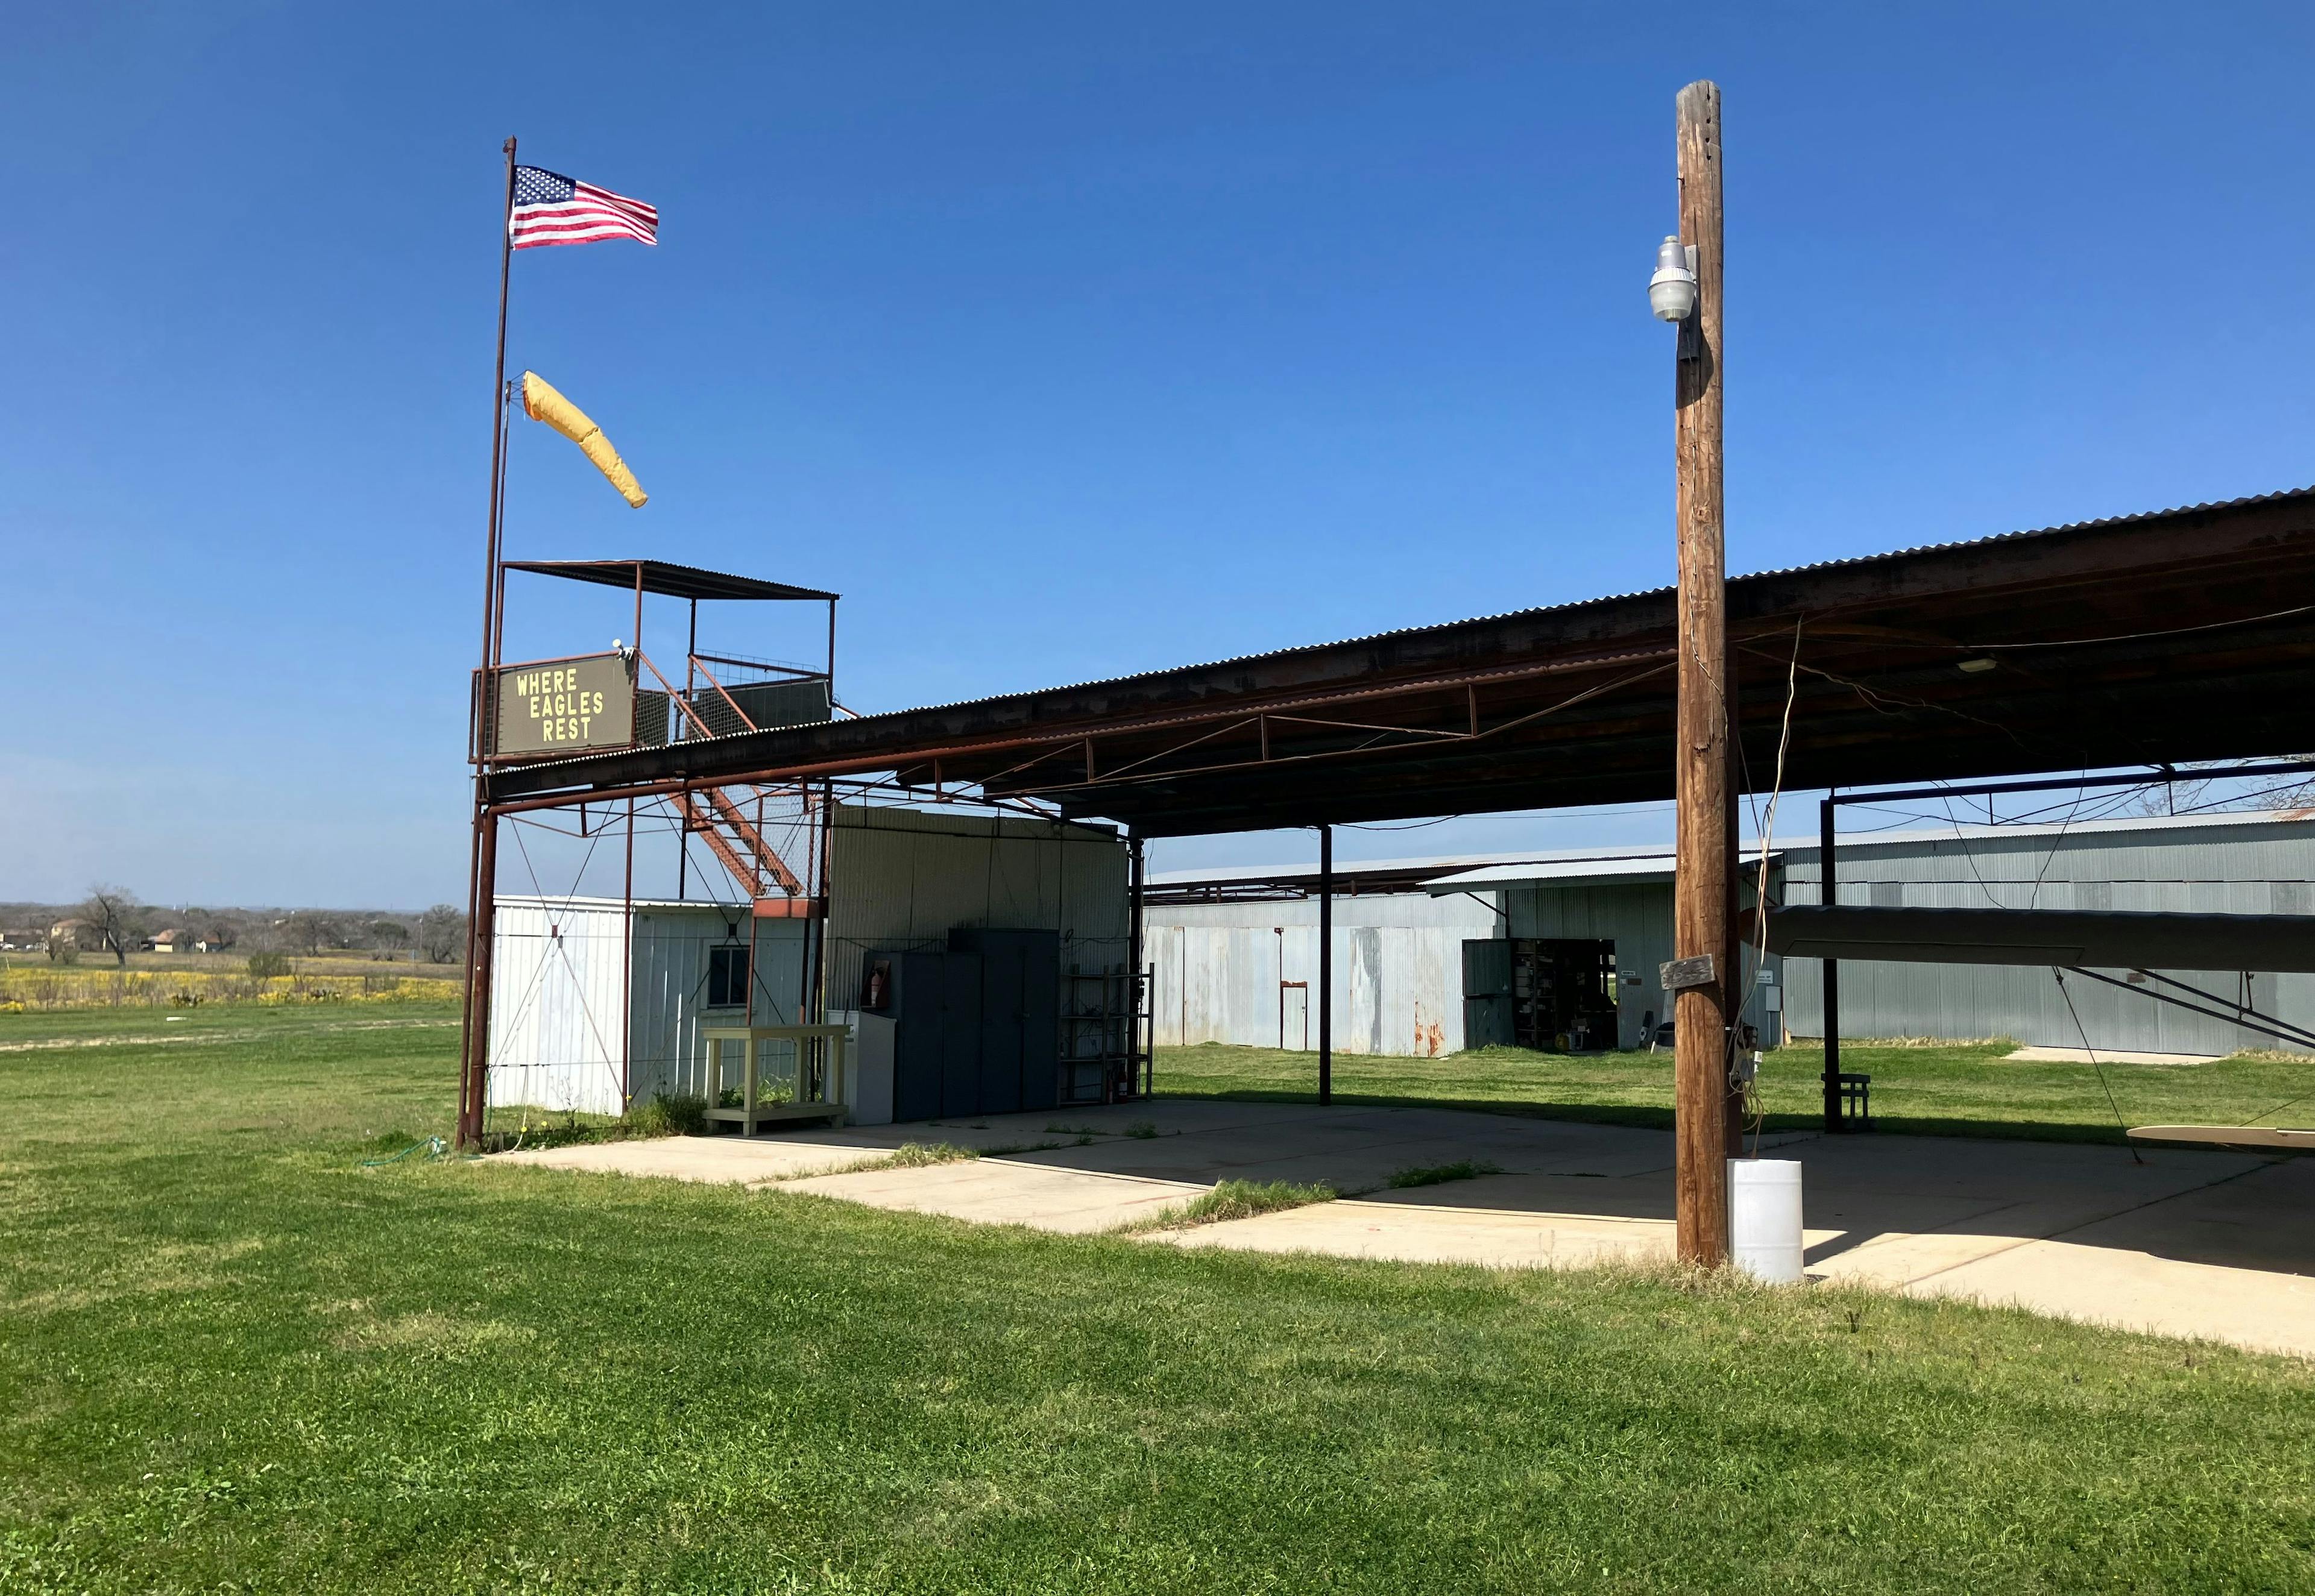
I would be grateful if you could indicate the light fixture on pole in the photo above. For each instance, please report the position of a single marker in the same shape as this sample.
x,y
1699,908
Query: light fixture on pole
x,y
1671,291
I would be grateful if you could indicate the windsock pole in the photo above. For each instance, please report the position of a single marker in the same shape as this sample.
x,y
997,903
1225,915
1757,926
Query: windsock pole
x,y
474,1037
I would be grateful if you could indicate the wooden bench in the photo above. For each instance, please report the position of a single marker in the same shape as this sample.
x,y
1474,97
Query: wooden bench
x,y
1855,1100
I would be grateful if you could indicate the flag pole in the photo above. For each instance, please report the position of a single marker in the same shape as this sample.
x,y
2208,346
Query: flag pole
x,y
473,1044
497,418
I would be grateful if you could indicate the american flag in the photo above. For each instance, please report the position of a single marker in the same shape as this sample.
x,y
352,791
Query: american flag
x,y
551,209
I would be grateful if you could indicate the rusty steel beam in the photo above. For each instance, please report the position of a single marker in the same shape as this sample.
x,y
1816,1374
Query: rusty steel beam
x,y
1476,714
1837,739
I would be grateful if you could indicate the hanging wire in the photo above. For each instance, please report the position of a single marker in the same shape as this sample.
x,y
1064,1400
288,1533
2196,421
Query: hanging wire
x,y
434,1147
2120,1124
2277,1109
1750,1102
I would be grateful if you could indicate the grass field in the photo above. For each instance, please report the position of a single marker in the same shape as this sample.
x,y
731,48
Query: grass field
x,y
233,1359
184,980
1947,1089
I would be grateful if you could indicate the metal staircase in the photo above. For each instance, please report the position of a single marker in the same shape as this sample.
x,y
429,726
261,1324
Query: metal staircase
x,y
736,843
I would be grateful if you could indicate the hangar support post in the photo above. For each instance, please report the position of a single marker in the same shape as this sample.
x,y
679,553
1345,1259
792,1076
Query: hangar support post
x,y
1326,965
1826,895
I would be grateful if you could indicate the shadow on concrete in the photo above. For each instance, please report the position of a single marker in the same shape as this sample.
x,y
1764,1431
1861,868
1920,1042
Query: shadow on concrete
x,y
2232,1209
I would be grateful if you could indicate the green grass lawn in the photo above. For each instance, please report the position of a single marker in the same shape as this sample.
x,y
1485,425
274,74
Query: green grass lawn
x,y
1947,1089
232,1359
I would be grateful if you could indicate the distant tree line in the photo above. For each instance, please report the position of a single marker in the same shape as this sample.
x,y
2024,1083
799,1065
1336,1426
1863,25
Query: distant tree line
x,y
112,923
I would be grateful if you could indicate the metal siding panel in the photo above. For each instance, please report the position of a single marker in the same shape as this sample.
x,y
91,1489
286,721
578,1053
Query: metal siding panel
x,y
1364,1001
901,879
2235,868
555,992
1397,965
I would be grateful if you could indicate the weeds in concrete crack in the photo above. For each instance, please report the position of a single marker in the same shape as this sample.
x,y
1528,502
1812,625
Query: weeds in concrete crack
x,y
1435,1174
1232,1200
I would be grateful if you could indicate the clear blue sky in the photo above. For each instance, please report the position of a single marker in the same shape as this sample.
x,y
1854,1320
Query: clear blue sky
x,y
1064,341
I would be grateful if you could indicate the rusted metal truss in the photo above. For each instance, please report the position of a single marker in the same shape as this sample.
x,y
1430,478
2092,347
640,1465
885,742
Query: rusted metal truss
x,y
2177,637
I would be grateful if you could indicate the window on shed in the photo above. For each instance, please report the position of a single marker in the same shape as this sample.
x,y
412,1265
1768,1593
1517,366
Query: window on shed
x,y
727,976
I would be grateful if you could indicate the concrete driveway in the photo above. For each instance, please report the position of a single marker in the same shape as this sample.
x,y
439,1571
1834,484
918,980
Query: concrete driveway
x,y
2183,1242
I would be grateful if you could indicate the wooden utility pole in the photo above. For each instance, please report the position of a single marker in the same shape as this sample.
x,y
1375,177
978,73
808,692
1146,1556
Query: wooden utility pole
x,y
1704,877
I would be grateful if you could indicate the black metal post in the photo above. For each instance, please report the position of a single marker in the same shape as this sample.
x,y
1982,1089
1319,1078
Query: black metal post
x,y
1828,894
474,1041
1136,1081
1326,964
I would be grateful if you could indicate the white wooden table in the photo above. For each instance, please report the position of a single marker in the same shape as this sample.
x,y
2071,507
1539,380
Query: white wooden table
x,y
825,1103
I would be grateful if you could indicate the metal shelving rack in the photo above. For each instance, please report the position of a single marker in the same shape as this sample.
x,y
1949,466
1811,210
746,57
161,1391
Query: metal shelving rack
x,y
1106,1035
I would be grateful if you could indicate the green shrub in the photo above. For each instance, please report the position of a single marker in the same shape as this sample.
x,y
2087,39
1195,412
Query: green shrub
x,y
266,966
684,1113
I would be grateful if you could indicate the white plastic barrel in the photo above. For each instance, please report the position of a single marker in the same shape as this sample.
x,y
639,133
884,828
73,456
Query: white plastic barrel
x,y
1764,1217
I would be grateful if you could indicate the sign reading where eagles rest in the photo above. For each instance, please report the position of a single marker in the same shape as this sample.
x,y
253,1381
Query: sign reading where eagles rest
x,y
558,706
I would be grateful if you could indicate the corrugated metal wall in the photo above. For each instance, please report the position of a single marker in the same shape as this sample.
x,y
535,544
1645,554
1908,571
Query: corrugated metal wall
x,y
2239,866
671,985
1637,918
1398,970
556,1004
901,879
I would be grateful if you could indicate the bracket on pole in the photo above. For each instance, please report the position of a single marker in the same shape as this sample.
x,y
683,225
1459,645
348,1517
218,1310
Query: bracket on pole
x,y
1684,975
1689,341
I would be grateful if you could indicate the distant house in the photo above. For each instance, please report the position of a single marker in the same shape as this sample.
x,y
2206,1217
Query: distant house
x,y
83,936
171,941
214,942
30,940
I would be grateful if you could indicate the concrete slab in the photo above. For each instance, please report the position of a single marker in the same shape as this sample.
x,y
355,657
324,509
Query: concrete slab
x,y
2058,1055
743,1161
2134,1291
2180,1240
1005,1192
1419,1233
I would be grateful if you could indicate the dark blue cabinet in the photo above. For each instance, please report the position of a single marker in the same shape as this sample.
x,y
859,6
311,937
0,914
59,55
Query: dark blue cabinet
x,y
1020,1015
977,1026
935,999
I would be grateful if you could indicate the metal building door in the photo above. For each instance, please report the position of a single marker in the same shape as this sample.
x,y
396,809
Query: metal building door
x,y
1486,993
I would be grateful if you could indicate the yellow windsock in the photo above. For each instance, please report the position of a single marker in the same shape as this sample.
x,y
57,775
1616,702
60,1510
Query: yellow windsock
x,y
541,402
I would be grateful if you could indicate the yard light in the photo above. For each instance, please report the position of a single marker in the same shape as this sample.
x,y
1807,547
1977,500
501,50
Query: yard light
x,y
1671,291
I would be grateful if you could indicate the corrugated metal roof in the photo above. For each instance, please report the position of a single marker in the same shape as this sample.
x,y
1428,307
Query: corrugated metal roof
x,y
1798,843
2158,574
1432,862
667,578
538,901
1544,609
1641,868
